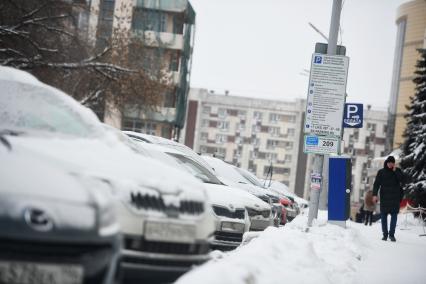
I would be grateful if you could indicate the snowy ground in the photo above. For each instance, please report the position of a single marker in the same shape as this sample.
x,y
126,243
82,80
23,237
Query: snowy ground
x,y
326,254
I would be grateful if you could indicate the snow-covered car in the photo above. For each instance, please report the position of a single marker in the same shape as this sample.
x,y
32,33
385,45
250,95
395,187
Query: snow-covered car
x,y
162,214
230,215
281,188
259,211
279,197
55,227
229,175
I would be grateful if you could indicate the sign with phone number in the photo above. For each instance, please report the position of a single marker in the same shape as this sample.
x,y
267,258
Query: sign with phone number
x,y
321,145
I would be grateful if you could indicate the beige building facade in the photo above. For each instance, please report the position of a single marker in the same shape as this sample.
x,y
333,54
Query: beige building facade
x,y
165,30
411,32
250,133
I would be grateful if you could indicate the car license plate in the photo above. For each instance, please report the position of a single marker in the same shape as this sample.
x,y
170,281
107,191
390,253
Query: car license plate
x,y
171,232
16,272
233,227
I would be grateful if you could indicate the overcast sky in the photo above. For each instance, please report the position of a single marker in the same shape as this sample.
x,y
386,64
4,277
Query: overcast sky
x,y
259,48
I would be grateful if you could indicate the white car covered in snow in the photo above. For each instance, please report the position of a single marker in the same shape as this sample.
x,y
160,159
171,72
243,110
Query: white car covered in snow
x,y
162,212
260,212
231,217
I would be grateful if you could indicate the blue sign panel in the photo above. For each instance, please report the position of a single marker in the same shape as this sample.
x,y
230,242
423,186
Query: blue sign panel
x,y
311,140
353,115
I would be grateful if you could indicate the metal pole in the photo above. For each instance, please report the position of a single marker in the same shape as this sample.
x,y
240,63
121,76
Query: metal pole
x,y
319,159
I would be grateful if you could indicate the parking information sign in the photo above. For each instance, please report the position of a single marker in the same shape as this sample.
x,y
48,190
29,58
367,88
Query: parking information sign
x,y
321,145
353,115
326,94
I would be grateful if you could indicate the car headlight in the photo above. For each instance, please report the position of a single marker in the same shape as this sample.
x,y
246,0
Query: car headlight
x,y
101,192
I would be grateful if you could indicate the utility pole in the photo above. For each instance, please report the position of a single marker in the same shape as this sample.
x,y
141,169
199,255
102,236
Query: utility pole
x,y
318,160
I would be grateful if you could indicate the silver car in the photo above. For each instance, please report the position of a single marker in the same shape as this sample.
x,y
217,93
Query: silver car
x,y
260,212
56,226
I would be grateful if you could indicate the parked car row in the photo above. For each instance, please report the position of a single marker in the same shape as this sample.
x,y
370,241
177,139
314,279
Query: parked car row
x,y
82,202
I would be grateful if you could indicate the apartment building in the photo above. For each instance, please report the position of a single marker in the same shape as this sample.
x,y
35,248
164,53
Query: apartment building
x,y
166,29
250,133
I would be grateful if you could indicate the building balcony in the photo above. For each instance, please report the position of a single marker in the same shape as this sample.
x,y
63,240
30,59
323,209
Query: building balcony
x,y
160,39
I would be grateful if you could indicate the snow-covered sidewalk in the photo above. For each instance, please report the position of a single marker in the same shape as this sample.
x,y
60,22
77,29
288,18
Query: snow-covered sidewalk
x,y
326,254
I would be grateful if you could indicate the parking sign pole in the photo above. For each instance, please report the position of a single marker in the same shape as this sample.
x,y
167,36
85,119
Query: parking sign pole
x,y
318,161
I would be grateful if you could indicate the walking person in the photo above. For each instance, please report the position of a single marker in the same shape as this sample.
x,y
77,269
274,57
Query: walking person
x,y
369,207
388,183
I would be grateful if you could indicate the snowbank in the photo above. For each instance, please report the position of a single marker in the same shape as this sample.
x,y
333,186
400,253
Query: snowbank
x,y
326,254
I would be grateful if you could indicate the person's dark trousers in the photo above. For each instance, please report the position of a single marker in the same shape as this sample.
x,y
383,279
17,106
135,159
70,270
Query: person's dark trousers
x,y
368,217
384,217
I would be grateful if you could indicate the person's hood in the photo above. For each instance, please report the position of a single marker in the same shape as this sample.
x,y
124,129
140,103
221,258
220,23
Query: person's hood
x,y
237,195
110,159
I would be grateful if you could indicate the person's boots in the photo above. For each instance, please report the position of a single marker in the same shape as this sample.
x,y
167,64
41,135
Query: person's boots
x,y
392,238
385,238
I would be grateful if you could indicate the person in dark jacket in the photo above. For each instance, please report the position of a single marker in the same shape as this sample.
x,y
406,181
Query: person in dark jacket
x,y
389,183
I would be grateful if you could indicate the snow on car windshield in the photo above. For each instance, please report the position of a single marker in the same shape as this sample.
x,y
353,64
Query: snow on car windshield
x,y
36,107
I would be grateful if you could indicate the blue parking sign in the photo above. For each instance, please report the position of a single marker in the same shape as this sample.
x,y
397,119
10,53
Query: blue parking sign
x,y
353,115
318,59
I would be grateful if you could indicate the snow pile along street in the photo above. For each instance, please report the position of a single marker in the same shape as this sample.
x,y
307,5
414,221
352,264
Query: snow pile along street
x,y
326,254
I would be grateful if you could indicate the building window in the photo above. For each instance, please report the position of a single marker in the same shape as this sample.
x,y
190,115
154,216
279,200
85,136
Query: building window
x,y
385,128
203,149
288,145
174,61
221,152
271,157
220,138
149,20
223,125
204,136
242,114
253,155
221,112
137,125
207,109
257,115
255,129
288,118
240,126
255,142
371,127
291,132
274,118
287,158
205,123
271,144
238,140
274,131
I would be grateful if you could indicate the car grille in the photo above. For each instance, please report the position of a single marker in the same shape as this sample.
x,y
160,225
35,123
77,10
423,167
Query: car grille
x,y
222,211
140,244
157,203
264,213
228,237
94,258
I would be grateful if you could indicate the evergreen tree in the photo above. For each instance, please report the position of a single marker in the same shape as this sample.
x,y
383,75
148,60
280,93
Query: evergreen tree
x,y
414,148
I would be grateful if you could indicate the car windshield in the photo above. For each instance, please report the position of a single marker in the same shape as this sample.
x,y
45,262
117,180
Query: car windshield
x,y
195,169
31,107
250,177
225,170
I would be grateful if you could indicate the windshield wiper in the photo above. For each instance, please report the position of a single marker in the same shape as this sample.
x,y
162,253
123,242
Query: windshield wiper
x,y
4,140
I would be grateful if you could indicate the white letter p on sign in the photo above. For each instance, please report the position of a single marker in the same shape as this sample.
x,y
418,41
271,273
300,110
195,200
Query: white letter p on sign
x,y
352,109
